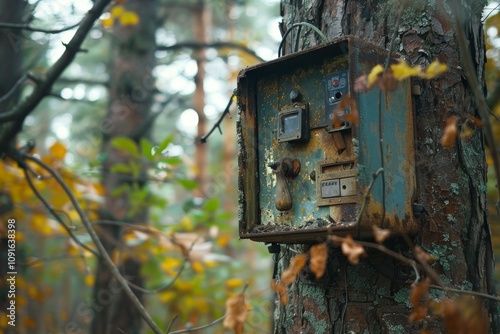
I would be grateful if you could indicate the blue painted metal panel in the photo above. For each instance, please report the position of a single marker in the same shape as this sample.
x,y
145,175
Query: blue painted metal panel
x,y
336,163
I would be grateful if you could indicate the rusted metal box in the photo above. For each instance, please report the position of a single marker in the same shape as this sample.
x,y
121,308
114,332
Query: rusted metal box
x,y
301,176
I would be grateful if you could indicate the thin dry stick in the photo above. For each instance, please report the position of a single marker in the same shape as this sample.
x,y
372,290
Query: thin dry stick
x,y
413,263
28,27
367,194
194,329
56,216
95,238
148,230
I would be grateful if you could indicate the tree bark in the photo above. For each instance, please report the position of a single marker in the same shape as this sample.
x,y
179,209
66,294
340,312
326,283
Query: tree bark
x,y
11,43
372,297
202,22
131,90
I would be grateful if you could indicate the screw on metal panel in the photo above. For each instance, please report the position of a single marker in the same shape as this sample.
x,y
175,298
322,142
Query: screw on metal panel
x,y
294,95
313,175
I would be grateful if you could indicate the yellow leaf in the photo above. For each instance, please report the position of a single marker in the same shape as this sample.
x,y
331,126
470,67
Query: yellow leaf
x,y
373,76
129,19
234,283
40,224
170,266
107,22
197,267
117,11
58,150
167,296
402,70
89,280
434,69
223,240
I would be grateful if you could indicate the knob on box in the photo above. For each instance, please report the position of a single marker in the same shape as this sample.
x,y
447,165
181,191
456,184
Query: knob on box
x,y
304,165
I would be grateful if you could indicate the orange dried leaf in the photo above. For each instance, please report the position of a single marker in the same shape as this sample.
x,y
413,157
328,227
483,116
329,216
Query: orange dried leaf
x,y
319,257
419,291
466,131
336,122
465,315
422,255
280,290
290,274
352,250
476,121
340,112
450,132
361,84
236,313
380,234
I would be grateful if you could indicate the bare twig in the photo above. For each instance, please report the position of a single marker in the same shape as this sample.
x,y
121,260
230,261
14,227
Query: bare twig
x,y
44,87
56,216
367,194
467,292
171,323
18,83
219,121
214,45
194,329
95,238
28,27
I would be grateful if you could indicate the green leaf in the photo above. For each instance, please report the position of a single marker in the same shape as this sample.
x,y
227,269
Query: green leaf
x,y
164,144
126,144
147,149
135,168
120,168
120,190
212,204
188,184
171,160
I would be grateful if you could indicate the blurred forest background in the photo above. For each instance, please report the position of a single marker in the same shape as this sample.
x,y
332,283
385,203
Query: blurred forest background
x,y
124,125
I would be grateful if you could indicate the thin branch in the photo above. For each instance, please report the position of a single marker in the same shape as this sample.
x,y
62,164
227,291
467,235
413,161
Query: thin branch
x,y
34,260
367,194
95,238
83,81
56,216
219,121
54,72
213,45
16,85
28,27
194,329
468,292
171,323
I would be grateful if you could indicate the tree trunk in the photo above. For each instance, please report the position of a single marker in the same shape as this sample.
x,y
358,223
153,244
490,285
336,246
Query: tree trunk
x,y
11,43
372,297
202,21
131,90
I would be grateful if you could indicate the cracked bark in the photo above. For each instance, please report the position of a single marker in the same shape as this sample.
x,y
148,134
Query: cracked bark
x,y
451,182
